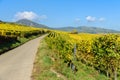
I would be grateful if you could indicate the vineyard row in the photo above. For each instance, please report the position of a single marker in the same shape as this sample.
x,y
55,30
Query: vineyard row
x,y
101,51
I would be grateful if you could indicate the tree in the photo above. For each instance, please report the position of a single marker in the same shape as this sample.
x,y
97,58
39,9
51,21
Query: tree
x,y
74,31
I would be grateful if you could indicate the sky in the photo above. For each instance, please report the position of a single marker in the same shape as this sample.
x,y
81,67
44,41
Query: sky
x,y
63,13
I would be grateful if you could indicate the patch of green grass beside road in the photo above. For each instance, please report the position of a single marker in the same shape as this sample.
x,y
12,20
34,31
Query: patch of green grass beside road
x,y
43,64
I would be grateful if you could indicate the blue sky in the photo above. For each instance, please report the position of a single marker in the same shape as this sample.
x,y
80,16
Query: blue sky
x,y
61,13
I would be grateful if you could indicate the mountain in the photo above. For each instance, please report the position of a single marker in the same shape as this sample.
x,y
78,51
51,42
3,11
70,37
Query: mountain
x,y
30,23
86,29
80,29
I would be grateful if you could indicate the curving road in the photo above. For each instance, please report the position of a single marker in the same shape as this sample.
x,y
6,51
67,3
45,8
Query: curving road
x,y
17,64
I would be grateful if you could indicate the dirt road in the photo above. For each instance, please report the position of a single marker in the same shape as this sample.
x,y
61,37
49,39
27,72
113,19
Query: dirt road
x,y
17,64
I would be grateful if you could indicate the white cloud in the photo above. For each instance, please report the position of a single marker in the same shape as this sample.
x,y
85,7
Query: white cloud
x,y
101,19
77,20
29,15
91,19
94,19
26,15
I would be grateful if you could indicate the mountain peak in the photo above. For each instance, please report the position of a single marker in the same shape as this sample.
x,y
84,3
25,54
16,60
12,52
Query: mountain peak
x,y
30,23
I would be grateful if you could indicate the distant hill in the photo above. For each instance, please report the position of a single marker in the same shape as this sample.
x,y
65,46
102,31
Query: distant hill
x,y
86,29
1,21
30,23
80,29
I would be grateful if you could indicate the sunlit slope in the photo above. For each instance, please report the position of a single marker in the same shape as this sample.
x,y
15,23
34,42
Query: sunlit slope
x,y
15,30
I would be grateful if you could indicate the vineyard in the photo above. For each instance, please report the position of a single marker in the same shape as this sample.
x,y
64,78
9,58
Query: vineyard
x,y
100,51
13,34
15,31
